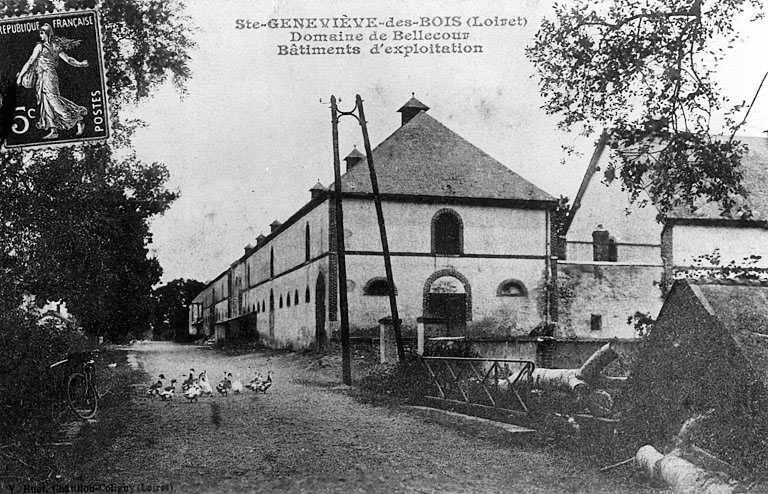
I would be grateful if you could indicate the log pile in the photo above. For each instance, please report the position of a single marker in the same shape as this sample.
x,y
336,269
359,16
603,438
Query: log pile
x,y
587,382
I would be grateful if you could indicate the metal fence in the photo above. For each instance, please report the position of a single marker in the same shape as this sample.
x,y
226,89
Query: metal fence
x,y
501,384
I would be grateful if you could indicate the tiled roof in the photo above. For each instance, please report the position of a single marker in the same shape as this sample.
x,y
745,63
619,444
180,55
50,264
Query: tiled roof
x,y
755,182
425,158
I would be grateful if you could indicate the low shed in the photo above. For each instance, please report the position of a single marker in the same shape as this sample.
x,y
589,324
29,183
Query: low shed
x,y
707,350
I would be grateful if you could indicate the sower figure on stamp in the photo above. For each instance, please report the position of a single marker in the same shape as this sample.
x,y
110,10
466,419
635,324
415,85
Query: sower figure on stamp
x,y
56,112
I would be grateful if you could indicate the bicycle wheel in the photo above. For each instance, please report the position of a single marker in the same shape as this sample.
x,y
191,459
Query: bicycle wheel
x,y
81,396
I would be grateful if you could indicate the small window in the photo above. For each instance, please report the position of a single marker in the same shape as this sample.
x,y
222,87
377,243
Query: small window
x,y
596,322
280,305
296,298
288,299
377,287
306,295
511,288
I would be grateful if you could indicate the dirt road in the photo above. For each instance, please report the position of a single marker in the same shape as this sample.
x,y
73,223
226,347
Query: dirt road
x,y
306,434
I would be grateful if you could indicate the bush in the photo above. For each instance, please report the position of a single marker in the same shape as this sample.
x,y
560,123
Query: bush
x,y
29,391
404,381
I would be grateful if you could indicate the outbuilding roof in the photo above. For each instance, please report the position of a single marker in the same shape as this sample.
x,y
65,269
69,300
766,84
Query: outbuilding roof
x,y
742,310
425,158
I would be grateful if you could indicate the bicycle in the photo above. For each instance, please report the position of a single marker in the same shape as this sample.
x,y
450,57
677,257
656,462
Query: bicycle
x,y
82,397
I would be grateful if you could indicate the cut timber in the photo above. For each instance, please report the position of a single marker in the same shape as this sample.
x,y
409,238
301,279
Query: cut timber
x,y
593,367
588,376
682,476
557,379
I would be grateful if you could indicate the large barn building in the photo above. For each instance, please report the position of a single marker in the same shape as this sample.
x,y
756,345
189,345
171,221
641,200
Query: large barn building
x,y
469,240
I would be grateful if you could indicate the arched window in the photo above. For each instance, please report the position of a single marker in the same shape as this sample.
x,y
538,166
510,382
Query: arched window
x,y
306,295
306,243
288,299
511,288
280,305
271,300
296,298
377,287
447,233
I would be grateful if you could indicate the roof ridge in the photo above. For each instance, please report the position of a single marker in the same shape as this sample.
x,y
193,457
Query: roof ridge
x,y
726,281
455,144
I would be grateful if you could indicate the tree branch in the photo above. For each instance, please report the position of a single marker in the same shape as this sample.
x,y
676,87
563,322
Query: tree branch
x,y
744,120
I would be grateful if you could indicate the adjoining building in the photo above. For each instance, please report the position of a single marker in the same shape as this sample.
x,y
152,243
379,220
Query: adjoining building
x,y
621,259
469,238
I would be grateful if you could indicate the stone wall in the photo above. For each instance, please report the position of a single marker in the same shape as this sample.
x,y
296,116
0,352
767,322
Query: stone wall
x,y
597,298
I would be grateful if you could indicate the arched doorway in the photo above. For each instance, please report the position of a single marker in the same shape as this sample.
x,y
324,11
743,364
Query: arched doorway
x,y
320,334
447,295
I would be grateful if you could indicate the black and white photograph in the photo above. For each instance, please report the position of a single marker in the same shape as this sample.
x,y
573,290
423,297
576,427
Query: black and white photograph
x,y
273,246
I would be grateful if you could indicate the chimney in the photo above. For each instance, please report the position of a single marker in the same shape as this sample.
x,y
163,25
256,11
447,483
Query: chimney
x,y
600,238
354,158
274,226
248,249
317,189
411,109
260,240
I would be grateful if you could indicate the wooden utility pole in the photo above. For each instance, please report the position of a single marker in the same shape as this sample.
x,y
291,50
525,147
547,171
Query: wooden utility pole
x,y
382,232
346,366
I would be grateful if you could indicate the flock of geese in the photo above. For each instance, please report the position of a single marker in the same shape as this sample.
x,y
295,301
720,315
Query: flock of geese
x,y
194,387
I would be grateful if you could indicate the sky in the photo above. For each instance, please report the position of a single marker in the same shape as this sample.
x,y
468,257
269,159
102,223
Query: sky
x,y
252,134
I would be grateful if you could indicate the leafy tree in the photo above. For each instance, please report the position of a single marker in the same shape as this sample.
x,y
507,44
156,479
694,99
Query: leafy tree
x,y
643,70
75,220
171,307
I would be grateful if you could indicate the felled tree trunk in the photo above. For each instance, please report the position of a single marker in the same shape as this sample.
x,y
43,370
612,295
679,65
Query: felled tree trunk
x,y
597,362
688,469
564,379
682,476
586,377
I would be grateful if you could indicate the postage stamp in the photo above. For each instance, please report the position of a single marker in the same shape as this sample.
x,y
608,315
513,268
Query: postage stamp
x,y
52,81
